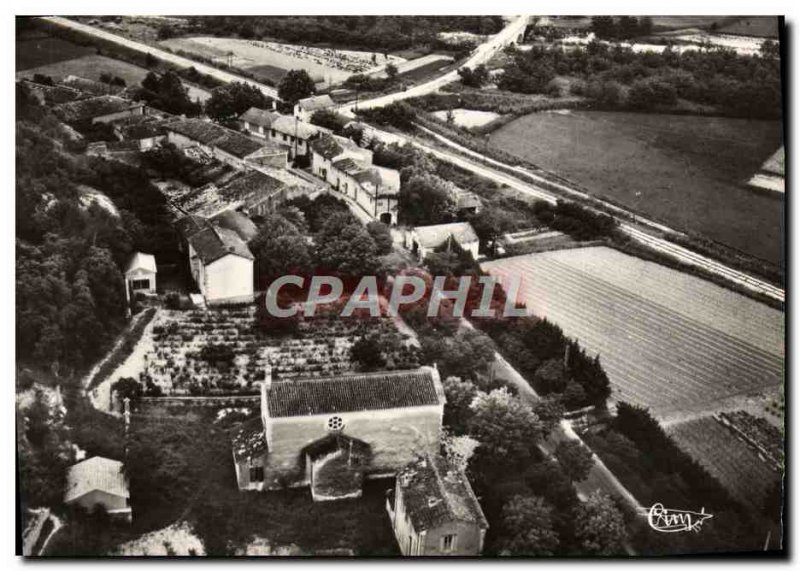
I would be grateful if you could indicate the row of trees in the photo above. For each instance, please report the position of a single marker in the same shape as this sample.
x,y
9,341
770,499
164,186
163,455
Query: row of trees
x,y
618,77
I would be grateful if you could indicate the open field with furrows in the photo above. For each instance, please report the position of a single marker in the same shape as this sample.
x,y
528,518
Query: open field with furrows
x,y
322,64
689,172
729,459
668,341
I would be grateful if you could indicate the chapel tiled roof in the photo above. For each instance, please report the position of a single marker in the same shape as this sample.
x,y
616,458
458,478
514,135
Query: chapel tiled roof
x,y
215,242
436,492
348,393
198,130
252,184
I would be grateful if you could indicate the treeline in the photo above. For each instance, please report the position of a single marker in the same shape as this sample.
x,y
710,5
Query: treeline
x,y
715,80
379,33
654,469
71,249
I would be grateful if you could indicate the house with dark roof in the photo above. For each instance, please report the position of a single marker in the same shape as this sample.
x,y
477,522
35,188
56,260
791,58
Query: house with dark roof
x,y
293,134
331,433
305,108
227,145
259,191
348,169
103,109
219,261
434,511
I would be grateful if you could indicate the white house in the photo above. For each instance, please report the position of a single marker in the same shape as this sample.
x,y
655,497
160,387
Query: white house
x,y
424,240
99,482
140,274
219,260
305,108
348,169
293,134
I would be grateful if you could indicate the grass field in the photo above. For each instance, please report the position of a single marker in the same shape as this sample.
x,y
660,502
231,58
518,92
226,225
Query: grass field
x,y
681,347
37,50
726,457
468,117
689,172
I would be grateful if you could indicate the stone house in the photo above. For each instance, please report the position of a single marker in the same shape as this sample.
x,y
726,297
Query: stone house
x,y
434,511
102,109
294,134
258,121
305,108
348,169
331,433
423,240
219,261
99,482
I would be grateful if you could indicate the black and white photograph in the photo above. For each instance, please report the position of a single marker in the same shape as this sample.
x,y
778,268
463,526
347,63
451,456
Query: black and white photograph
x,y
387,286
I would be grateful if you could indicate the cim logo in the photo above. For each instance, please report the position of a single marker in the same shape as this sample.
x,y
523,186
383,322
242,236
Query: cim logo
x,y
673,521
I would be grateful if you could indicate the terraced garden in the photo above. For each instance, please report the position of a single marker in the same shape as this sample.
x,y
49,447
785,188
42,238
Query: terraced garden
x,y
667,340
727,457
224,352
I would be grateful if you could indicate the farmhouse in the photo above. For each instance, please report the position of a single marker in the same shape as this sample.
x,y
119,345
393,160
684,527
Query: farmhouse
x,y
140,275
305,108
424,240
331,432
258,121
146,132
259,191
348,169
231,147
219,261
294,134
103,109
99,482
434,511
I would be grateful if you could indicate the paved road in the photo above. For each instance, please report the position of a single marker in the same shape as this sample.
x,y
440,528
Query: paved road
x,y
180,61
482,54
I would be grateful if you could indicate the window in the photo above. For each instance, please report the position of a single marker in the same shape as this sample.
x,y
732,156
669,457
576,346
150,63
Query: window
x,y
140,284
449,542
335,423
256,473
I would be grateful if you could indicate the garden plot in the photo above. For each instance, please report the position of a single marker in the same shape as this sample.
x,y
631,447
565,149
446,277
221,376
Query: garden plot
x,y
468,118
729,459
683,347
322,64
225,352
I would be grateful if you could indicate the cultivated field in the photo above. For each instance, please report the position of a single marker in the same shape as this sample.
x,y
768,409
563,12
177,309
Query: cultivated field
x,y
689,172
322,64
667,340
728,458
34,50
468,117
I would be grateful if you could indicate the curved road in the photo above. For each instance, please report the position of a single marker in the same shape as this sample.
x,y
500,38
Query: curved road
x,y
482,54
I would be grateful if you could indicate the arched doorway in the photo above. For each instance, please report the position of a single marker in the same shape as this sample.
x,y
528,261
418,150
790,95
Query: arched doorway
x,y
386,218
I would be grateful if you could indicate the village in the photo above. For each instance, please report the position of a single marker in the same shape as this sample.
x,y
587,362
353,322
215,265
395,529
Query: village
x,y
327,340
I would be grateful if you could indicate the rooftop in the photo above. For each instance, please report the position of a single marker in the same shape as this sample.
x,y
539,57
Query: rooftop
x,y
315,103
291,126
436,492
96,473
238,222
84,109
215,242
141,261
331,146
258,116
434,236
250,185
348,393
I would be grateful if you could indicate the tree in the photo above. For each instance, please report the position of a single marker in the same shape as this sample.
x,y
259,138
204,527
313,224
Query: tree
x,y
229,101
382,235
329,120
528,528
459,395
550,412
279,248
604,27
477,77
344,246
600,526
465,354
391,71
424,199
296,85
398,114
575,459
167,92
127,387
506,427
367,351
